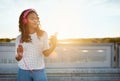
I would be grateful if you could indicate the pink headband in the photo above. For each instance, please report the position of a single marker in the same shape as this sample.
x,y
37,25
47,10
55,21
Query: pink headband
x,y
25,15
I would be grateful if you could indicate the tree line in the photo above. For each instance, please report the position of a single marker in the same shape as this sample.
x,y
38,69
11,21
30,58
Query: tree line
x,y
79,40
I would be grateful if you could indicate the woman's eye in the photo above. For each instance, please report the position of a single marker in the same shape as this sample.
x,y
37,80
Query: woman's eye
x,y
34,18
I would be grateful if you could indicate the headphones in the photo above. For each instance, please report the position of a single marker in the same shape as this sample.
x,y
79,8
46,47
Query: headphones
x,y
25,15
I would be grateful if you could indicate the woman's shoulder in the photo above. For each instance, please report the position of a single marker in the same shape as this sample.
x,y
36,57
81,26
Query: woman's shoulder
x,y
45,33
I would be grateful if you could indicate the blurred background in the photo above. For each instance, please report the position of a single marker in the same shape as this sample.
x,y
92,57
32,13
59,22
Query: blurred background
x,y
72,19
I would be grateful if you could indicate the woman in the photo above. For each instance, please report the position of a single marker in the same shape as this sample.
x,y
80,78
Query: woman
x,y
31,47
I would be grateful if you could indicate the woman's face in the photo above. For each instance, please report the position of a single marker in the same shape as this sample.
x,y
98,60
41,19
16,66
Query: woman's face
x,y
33,21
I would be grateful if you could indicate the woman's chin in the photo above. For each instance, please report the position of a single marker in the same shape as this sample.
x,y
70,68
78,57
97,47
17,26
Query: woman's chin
x,y
35,26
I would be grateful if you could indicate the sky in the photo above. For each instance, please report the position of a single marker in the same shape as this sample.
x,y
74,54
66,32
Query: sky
x,y
70,18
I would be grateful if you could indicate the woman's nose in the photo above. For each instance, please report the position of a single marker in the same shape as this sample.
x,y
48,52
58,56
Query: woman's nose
x,y
36,21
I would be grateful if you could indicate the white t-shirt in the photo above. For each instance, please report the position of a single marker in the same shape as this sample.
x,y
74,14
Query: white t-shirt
x,y
33,56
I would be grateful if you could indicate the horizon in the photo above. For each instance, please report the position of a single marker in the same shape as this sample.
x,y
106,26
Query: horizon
x,y
75,38
70,18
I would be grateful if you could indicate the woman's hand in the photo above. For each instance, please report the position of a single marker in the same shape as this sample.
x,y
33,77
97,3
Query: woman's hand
x,y
19,52
53,40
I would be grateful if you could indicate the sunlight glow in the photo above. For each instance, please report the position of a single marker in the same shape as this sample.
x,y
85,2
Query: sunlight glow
x,y
70,18
85,51
100,50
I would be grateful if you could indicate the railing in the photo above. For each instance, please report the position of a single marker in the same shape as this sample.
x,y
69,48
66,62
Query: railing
x,y
82,55
118,55
70,62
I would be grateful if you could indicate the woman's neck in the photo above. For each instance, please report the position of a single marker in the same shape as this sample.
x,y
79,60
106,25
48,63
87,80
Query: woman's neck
x,y
31,31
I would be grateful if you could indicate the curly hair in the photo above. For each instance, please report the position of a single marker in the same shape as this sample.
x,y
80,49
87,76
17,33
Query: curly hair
x,y
23,28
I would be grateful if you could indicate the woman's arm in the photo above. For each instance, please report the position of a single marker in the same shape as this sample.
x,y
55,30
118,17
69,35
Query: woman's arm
x,y
19,53
18,49
53,42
